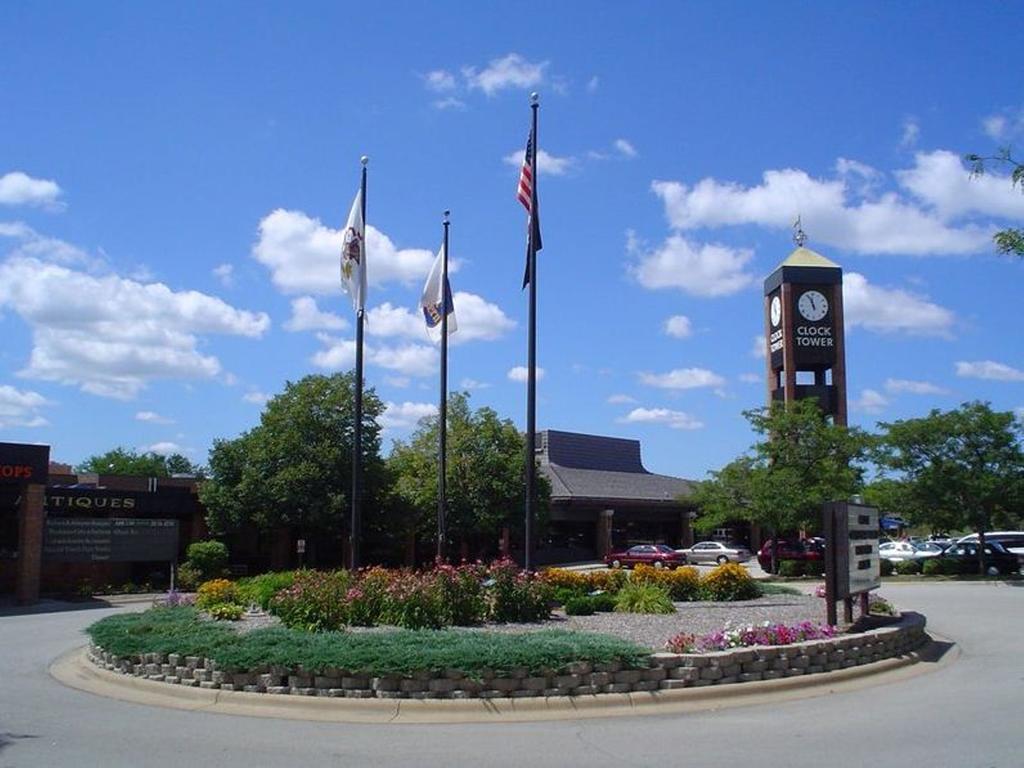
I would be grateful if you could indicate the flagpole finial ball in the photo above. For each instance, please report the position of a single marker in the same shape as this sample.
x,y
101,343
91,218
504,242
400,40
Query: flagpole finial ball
x,y
447,214
534,98
364,159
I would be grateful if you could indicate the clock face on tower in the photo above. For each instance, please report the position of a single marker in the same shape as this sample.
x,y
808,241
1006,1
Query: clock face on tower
x,y
775,311
812,305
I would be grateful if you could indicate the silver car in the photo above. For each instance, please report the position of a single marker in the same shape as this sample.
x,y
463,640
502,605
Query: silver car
x,y
716,552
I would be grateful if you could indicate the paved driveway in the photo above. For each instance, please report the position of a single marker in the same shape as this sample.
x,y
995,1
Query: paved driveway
x,y
963,715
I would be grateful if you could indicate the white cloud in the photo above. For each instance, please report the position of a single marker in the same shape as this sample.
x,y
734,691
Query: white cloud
x,y
387,320
621,399
405,415
35,245
940,180
836,214
759,348
547,164
511,71
907,386
1019,413
81,337
18,188
164,448
399,382
449,102
673,419
302,255
678,326
256,397
892,310
472,384
593,84
225,273
521,373
625,148
870,401
995,126
989,370
307,316
20,408
911,133
683,378
479,320
440,80
751,378
696,269
407,360
152,417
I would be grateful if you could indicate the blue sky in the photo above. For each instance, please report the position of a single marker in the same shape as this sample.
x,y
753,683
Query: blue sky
x,y
173,179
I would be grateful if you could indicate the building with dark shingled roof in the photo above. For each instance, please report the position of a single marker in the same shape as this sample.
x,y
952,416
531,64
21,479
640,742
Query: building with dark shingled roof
x,y
602,497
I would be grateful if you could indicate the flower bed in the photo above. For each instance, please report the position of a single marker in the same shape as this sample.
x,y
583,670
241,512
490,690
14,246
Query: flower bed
x,y
171,646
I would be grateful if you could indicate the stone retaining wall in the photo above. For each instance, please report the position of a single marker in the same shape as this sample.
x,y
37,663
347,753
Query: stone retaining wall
x,y
666,671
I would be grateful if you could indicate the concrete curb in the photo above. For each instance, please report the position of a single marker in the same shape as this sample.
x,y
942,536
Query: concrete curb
x,y
76,671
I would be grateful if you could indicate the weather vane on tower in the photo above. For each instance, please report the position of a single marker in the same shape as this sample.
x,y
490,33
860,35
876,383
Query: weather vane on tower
x,y
799,236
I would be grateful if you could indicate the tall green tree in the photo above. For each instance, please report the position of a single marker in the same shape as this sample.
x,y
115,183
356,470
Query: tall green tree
x,y
1008,241
125,461
801,461
964,467
295,468
485,477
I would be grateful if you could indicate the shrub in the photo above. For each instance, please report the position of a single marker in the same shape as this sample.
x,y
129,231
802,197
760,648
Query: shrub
x,y
225,611
461,594
563,578
815,568
885,567
603,602
606,581
209,558
412,602
188,578
316,601
790,568
933,566
515,595
215,592
259,590
562,595
908,567
881,606
580,606
682,584
729,581
643,598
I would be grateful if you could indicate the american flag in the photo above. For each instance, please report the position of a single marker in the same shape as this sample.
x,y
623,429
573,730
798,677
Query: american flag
x,y
526,177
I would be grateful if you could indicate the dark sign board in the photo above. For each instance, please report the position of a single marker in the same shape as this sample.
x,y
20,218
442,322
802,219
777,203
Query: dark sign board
x,y
851,550
21,463
179,503
109,539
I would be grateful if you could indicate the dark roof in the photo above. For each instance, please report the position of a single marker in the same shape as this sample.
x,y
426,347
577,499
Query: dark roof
x,y
591,467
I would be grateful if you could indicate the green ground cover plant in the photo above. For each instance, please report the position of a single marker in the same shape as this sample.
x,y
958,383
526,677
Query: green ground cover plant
x,y
644,598
393,652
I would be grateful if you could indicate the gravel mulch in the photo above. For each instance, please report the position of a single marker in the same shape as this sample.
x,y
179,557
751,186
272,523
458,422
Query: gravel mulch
x,y
649,630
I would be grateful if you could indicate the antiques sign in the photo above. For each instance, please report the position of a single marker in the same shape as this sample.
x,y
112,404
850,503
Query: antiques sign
x,y
109,539
851,549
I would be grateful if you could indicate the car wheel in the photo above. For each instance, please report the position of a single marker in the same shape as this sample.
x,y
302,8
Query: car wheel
x,y
658,564
722,559
616,564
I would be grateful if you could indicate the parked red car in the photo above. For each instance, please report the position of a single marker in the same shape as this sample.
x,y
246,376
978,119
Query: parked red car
x,y
790,549
658,555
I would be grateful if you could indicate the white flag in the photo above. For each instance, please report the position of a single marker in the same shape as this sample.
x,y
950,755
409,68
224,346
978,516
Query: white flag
x,y
433,300
353,255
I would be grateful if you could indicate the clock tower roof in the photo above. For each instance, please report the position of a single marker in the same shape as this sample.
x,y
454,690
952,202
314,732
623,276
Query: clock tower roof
x,y
804,266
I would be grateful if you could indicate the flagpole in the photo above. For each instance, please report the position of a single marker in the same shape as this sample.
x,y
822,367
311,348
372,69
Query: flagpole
x,y
357,433
531,384
442,419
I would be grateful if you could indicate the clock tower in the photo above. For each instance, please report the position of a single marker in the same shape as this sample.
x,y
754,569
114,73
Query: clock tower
x,y
803,318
